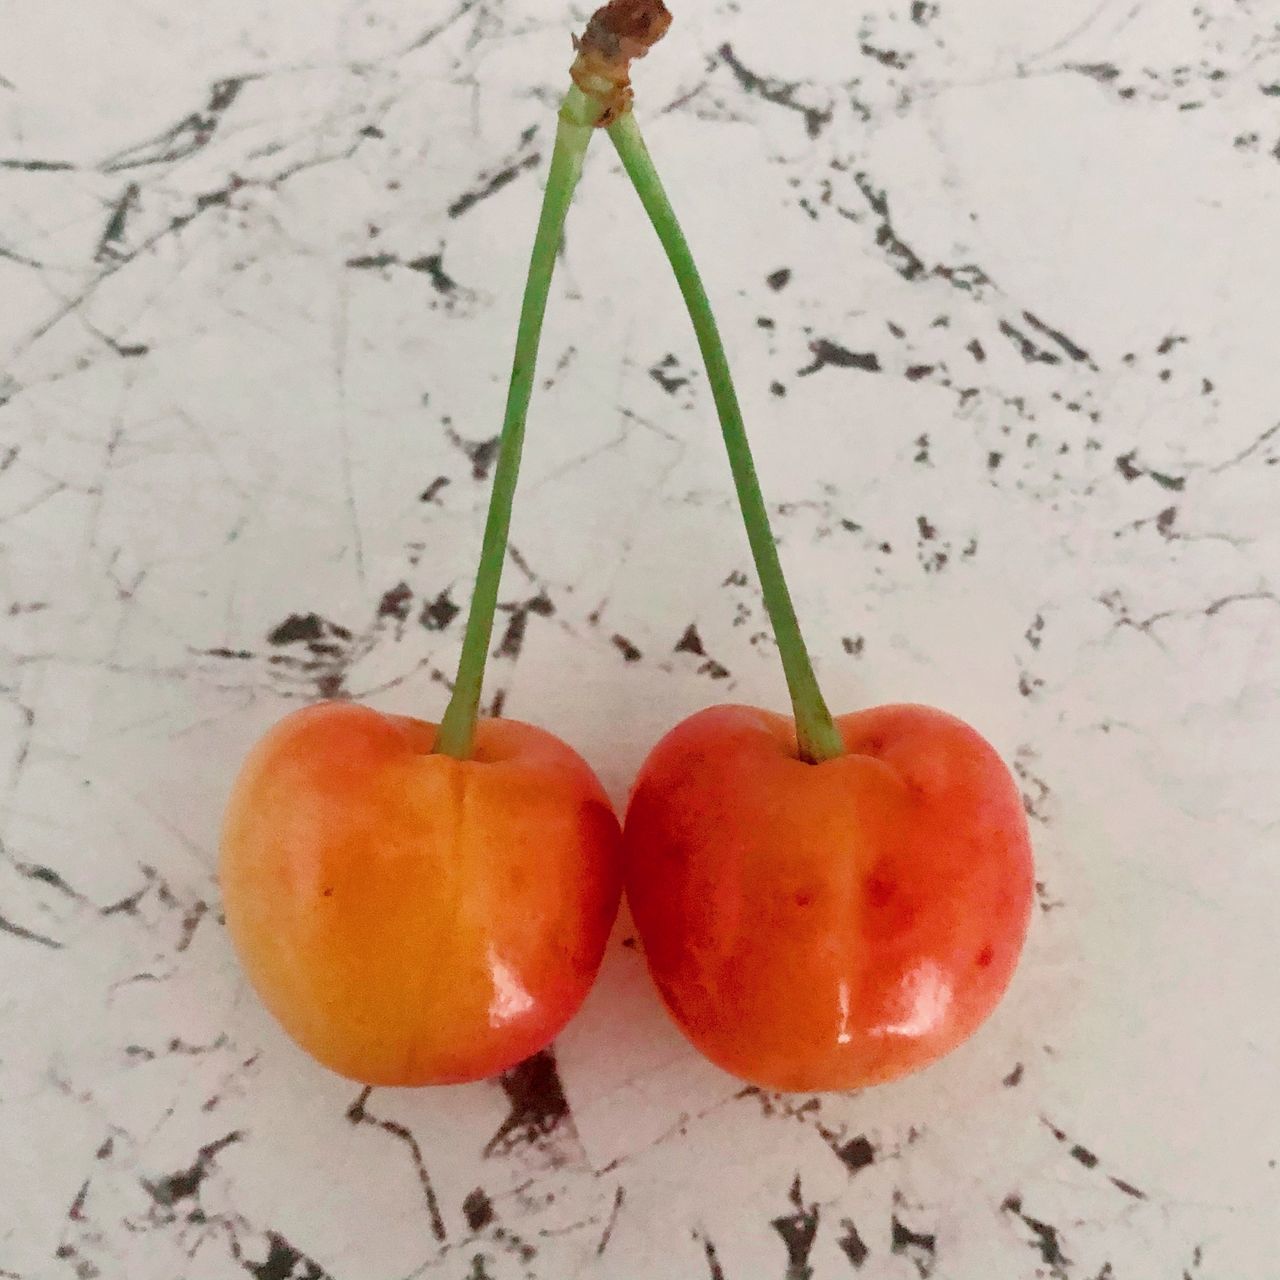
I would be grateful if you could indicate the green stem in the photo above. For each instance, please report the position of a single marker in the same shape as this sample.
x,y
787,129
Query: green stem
x,y
816,733
577,120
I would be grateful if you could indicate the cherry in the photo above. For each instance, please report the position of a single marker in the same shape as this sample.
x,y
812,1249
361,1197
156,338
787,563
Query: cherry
x,y
420,905
408,917
833,925
823,904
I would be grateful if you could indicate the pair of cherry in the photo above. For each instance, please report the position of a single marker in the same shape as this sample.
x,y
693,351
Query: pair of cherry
x,y
824,904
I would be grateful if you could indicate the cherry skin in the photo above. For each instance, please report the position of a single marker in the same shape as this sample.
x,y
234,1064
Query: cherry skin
x,y
827,926
410,918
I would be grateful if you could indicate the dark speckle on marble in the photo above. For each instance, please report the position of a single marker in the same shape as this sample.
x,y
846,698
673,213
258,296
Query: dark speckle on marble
x,y
828,354
173,1187
284,1262
538,1110
919,1247
798,1230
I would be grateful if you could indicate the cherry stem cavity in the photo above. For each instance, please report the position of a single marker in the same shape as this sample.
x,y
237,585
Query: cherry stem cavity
x,y
817,737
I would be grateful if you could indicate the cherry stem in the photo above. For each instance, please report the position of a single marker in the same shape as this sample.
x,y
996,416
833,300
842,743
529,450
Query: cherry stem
x,y
578,116
817,737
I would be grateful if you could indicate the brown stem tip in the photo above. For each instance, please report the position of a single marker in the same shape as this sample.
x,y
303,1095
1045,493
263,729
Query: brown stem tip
x,y
619,32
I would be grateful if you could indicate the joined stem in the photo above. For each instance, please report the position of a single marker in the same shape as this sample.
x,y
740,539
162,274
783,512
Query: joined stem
x,y
578,117
817,737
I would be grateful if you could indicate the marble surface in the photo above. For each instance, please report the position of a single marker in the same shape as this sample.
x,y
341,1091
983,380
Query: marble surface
x,y
1002,284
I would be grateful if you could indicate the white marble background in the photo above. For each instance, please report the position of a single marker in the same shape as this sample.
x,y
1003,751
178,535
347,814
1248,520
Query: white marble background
x,y
1002,282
